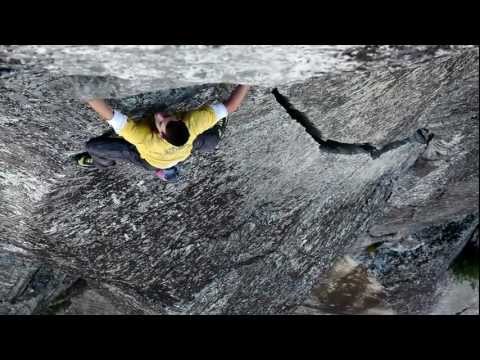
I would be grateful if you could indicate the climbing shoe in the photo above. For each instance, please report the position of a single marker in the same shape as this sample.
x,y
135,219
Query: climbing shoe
x,y
85,160
222,126
169,175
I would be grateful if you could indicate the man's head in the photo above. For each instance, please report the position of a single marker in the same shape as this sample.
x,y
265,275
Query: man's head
x,y
172,129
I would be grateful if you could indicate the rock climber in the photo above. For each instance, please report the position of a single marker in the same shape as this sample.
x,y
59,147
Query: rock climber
x,y
160,143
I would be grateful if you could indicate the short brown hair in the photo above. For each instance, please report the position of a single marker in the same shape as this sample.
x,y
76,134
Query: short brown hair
x,y
176,133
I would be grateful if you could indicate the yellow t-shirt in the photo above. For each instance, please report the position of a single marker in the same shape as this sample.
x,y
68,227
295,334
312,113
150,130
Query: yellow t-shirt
x,y
157,151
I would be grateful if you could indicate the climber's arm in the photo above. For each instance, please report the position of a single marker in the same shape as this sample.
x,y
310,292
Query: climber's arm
x,y
102,108
204,118
236,98
114,118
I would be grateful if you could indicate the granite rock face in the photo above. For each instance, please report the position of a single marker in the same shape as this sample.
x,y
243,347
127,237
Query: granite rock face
x,y
27,285
251,228
32,287
432,210
80,71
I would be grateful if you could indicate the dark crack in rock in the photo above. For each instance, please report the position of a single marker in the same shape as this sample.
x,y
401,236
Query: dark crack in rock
x,y
433,208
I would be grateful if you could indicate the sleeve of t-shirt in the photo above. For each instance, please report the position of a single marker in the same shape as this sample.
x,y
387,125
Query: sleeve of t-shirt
x,y
118,121
205,118
220,110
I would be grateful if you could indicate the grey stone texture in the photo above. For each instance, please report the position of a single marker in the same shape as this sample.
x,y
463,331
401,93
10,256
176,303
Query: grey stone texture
x,y
255,227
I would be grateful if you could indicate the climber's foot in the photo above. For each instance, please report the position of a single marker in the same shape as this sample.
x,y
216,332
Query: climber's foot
x,y
222,127
169,175
84,160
